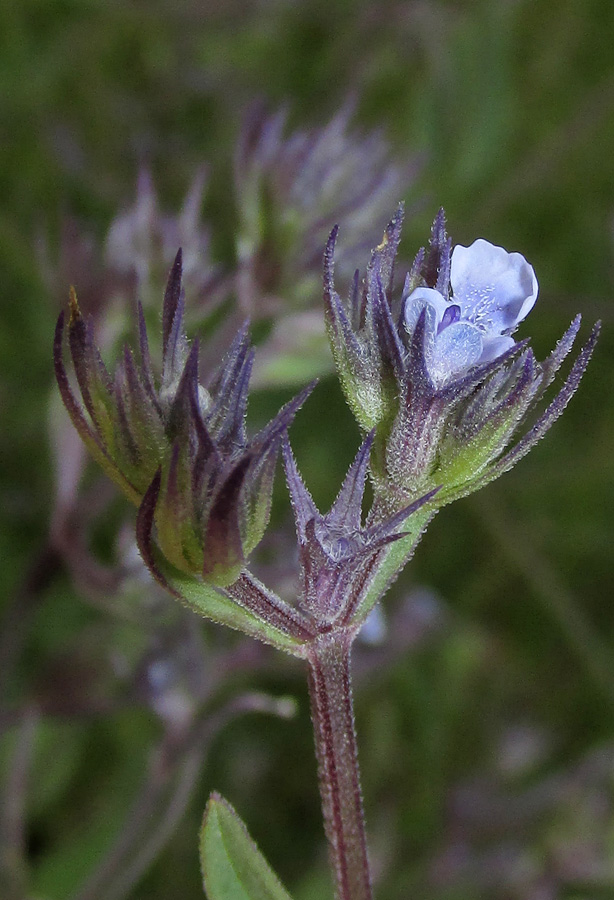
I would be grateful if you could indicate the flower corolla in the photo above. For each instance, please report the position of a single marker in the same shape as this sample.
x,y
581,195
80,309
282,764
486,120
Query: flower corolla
x,y
492,291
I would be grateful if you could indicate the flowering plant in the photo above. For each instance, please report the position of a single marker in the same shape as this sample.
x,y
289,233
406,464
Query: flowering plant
x,y
439,387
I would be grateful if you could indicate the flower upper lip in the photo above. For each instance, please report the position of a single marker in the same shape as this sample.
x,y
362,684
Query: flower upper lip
x,y
492,292
496,290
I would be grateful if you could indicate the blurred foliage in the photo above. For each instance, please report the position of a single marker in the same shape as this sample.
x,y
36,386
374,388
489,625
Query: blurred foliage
x,y
486,747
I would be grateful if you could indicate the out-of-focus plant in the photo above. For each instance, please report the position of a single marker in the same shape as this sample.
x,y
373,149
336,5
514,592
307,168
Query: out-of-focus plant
x,y
290,191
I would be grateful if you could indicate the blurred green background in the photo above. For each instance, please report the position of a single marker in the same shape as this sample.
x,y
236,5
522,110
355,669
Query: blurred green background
x,y
486,747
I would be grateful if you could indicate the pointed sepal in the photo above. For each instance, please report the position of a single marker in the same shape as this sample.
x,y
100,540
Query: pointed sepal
x,y
338,556
177,445
346,511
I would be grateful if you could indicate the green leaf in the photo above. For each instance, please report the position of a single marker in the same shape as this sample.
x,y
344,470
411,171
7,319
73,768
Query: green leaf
x,y
233,868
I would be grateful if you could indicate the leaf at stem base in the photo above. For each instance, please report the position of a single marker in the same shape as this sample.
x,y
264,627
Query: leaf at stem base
x,y
233,868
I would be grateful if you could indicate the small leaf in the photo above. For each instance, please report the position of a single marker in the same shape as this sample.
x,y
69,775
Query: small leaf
x,y
233,868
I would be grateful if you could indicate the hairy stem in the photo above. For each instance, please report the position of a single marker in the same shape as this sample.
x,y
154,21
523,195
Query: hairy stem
x,y
333,721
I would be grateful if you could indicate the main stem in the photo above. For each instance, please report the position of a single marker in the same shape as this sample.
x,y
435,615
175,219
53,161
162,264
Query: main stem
x,y
333,722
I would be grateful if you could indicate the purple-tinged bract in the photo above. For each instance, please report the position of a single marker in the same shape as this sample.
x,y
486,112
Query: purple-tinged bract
x,y
337,554
174,444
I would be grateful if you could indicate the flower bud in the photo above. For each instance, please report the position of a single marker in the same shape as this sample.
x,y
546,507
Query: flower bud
x,y
172,445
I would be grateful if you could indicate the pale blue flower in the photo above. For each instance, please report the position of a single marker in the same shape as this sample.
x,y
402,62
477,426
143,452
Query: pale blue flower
x,y
492,291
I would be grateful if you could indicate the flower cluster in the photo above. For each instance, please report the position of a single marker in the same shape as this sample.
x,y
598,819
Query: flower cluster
x,y
437,382
440,378
174,447
291,191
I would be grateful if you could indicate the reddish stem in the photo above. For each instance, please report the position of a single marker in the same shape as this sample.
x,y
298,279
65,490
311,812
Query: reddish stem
x,y
333,721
